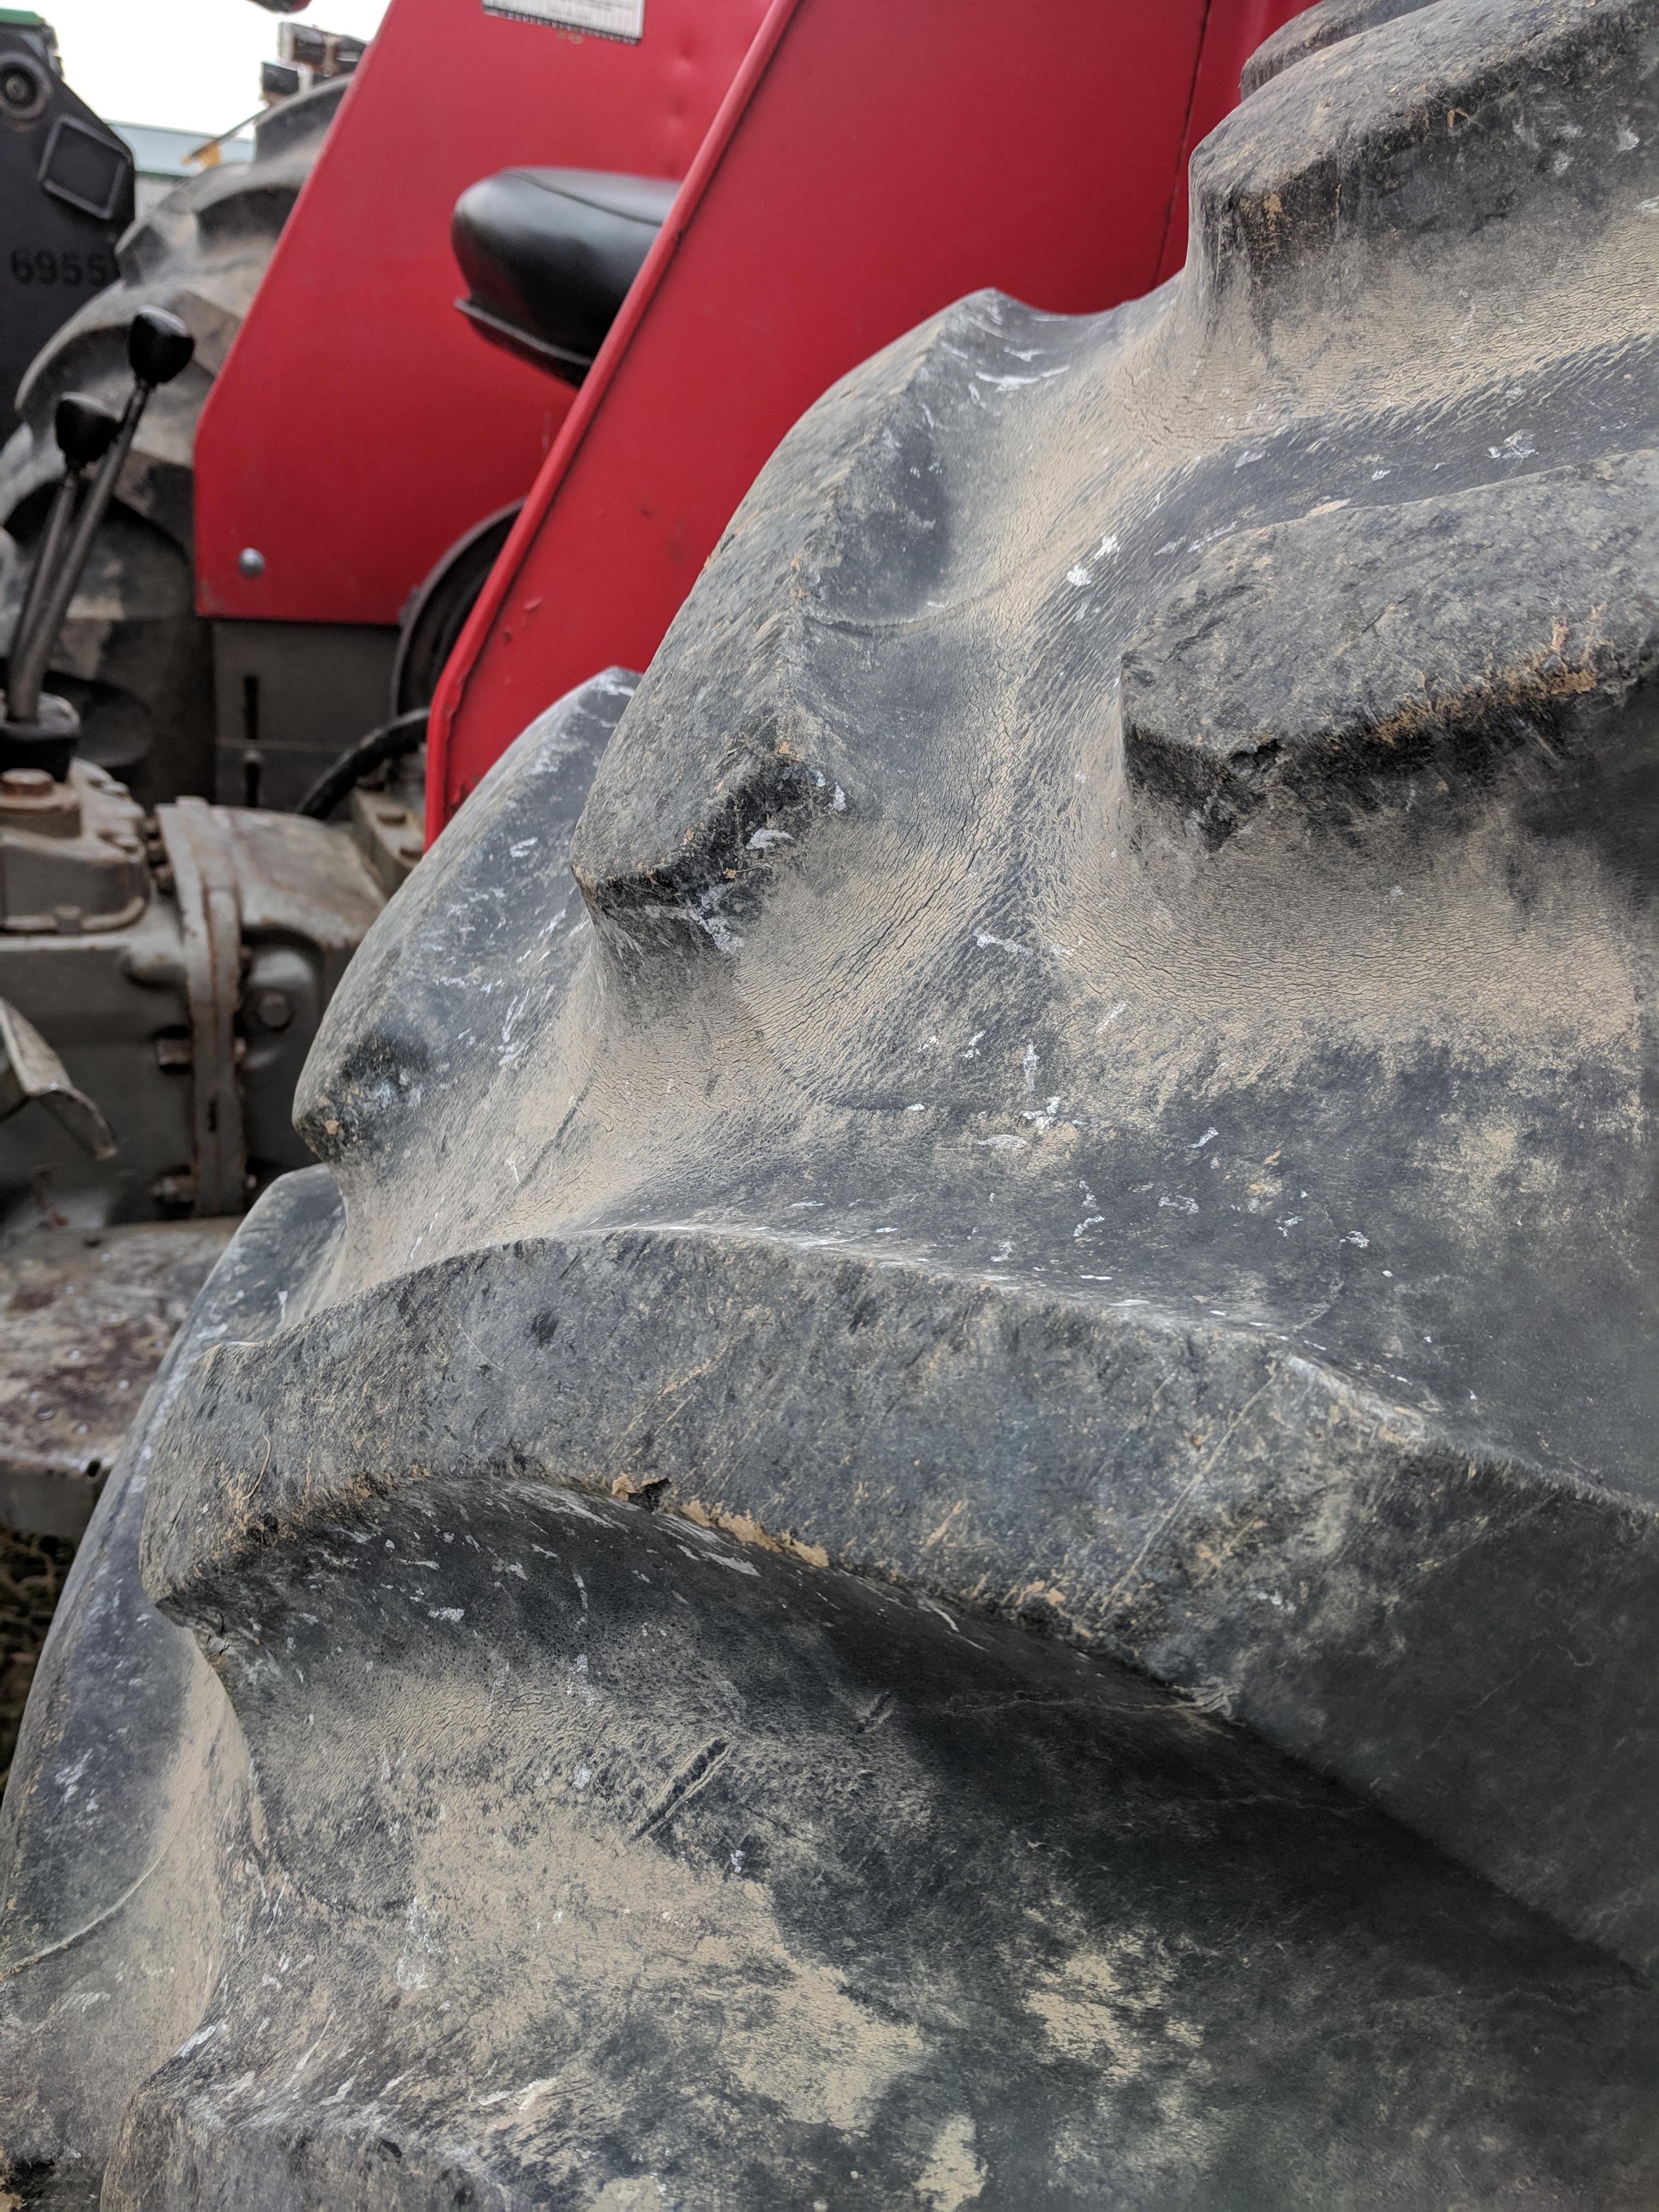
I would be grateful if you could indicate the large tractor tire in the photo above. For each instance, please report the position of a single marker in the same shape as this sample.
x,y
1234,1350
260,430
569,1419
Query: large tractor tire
x,y
947,1498
135,657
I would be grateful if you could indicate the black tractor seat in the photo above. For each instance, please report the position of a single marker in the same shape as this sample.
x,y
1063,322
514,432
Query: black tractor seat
x,y
549,255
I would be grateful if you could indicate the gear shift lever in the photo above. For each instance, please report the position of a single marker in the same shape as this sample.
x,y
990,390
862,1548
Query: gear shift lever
x,y
85,430
38,729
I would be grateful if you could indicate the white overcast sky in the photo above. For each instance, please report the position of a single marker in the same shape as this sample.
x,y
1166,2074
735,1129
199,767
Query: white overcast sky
x,y
191,64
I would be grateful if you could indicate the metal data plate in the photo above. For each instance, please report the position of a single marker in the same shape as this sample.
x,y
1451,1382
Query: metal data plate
x,y
601,19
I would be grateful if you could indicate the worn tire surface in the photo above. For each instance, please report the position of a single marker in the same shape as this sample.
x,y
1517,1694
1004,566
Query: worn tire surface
x,y
947,1497
134,656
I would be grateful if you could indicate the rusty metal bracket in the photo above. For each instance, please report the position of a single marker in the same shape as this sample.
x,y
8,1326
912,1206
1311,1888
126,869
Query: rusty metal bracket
x,y
30,1069
210,907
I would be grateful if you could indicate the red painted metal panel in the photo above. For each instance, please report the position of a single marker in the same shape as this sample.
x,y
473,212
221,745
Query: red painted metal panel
x,y
360,426
871,163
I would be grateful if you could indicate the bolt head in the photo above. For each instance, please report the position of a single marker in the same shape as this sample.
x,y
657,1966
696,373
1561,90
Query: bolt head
x,y
251,561
273,1010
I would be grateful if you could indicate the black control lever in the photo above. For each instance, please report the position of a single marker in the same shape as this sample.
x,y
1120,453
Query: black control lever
x,y
38,728
85,430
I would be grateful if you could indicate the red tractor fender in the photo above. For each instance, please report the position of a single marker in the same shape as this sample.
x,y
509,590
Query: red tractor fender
x,y
870,163
359,426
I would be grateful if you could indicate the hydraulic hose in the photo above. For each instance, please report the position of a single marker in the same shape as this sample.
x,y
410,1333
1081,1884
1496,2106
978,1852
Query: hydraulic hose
x,y
403,734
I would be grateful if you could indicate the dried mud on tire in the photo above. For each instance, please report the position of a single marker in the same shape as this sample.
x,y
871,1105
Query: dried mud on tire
x,y
946,1496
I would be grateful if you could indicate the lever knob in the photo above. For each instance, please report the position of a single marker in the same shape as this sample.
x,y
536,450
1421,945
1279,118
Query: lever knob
x,y
84,430
158,346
